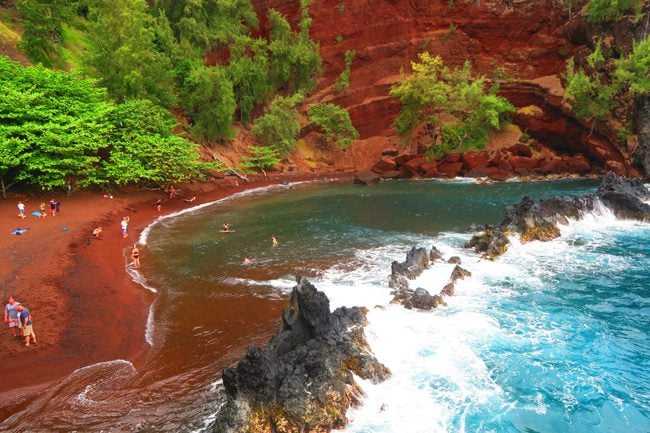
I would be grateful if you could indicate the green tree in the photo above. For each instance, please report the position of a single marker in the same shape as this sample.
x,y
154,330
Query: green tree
x,y
294,57
123,52
602,11
55,126
279,127
335,123
249,73
588,96
433,90
262,158
210,102
209,23
42,22
143,149
631,72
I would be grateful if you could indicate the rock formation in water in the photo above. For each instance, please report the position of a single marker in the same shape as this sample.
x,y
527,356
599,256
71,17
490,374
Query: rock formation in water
x,y
302,381
538,220
417,260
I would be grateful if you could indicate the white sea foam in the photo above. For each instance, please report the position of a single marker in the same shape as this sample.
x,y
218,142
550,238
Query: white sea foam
x,y
285,283
149,329
439,376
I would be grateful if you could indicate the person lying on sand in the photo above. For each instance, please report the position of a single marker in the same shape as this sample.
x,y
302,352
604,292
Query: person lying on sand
x,y
190,200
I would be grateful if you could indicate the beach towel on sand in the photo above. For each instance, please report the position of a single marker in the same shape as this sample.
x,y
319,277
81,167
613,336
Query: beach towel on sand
x,y
36,213
18,232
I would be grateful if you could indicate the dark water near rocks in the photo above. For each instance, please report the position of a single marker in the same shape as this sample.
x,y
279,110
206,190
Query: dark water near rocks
x,y
552,337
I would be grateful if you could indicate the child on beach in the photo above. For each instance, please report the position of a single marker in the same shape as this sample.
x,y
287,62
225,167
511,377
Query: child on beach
x,y
125,226
42,209
21,210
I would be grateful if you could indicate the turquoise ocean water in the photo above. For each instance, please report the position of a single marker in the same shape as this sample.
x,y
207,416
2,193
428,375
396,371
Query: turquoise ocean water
x,y
552,337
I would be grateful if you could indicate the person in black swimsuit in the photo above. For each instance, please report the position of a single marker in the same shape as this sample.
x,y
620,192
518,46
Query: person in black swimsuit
x,y
135,256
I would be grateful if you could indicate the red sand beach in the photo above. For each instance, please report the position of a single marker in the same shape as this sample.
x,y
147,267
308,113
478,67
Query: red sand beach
x,y
85,307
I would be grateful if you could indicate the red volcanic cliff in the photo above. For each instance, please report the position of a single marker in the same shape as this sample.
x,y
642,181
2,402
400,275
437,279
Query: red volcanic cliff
x,y
525,40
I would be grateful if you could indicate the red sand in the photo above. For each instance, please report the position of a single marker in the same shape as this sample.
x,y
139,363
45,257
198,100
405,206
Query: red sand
x,y
85,307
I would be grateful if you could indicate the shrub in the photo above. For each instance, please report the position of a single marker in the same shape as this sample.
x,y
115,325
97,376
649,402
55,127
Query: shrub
x,y
262,158
602,11
335,123
342,83
433,90
279,126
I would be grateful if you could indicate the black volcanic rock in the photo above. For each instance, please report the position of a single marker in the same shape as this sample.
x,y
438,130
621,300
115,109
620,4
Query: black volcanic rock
x,y
303,379
416,261
539,219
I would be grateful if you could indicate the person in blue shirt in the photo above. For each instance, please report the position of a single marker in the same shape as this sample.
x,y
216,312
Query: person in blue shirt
x,y
25,320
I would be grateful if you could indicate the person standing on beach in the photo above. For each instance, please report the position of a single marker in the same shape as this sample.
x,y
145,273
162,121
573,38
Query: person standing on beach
x,y
11,316
53,207
135,256
172,192
42,209
58,206
25,318
275,241
125,226
21,210
159,204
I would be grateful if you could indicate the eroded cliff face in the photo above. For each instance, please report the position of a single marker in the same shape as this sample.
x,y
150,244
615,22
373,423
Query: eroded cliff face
x,y
525,41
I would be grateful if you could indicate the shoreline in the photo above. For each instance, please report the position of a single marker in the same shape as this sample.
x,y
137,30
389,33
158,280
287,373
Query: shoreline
x,y
77,286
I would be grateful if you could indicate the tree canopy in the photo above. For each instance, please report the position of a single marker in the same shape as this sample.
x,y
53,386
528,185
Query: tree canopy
x,y
434,90
55,126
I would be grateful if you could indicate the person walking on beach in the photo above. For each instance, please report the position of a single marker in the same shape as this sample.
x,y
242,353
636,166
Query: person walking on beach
x,y
172,192
21,210
53,207
275,241
11,316
135,256
125,226
25,318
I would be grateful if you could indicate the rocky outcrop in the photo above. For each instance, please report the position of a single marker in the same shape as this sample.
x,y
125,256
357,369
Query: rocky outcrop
x,y
538,220
416,261
302,381
642,151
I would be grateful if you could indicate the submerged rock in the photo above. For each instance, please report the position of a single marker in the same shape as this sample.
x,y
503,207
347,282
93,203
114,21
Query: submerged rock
x,y
302,380
538,220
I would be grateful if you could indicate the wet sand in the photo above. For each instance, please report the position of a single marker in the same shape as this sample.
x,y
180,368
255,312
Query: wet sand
x,y
85,307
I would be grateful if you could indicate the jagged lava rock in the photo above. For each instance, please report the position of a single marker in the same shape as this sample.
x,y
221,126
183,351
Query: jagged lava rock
x,y
416,261
367,178
539,219
302,380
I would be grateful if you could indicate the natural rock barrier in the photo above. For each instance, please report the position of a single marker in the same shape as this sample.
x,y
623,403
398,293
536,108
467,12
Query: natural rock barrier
x,y
417,260
302,380
538,220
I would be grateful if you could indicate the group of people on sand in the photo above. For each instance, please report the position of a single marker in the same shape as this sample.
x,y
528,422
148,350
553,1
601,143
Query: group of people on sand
x,y
19,319
54,207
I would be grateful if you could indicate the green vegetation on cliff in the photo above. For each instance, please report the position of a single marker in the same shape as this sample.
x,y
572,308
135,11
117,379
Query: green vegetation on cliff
x,y
56,126
461,106
598,87
335,123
